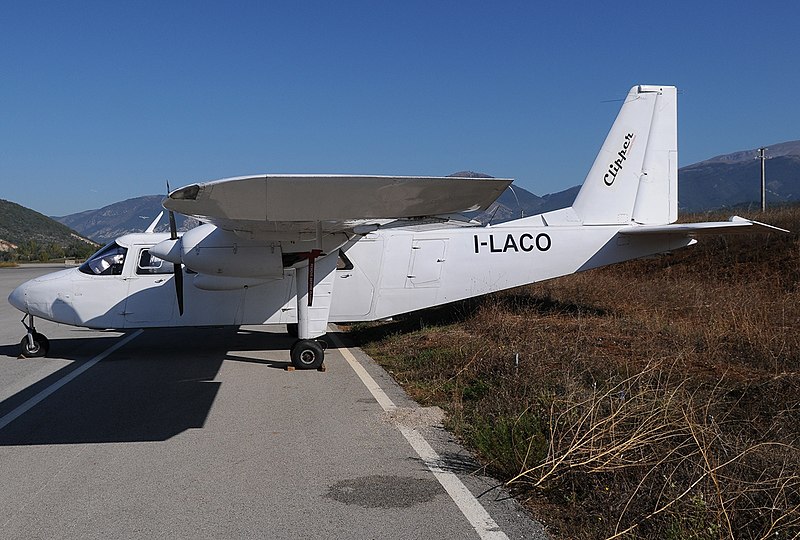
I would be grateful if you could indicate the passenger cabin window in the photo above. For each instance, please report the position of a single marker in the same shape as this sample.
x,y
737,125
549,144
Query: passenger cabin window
x,y
150,264
106,262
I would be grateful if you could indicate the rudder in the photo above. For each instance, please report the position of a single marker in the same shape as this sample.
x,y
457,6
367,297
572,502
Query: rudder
x,y
635,175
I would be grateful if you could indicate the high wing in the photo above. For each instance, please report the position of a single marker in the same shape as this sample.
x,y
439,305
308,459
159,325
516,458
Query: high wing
x,y
299,203
736,225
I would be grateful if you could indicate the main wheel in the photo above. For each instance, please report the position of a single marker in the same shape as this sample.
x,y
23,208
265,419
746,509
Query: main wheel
x,y
307,354
40,346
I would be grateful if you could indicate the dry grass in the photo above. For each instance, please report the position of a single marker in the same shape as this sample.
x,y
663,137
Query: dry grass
x,y
654,399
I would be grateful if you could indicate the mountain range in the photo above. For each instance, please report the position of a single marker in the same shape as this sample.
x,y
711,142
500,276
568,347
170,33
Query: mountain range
x,y
726,181
29,235
120,218
734,180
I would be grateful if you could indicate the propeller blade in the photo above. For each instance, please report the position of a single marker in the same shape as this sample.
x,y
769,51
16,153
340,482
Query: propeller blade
x,y
179,286
173,229
177,267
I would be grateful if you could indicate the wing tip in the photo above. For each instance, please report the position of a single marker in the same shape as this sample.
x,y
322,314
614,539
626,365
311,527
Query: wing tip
x,y
758,224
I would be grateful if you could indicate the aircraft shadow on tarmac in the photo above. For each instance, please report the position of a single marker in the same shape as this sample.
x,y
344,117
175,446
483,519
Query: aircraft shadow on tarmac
x,y
155,387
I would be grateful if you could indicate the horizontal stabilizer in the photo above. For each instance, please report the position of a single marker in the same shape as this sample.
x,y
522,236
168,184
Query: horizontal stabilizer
x,y
736,225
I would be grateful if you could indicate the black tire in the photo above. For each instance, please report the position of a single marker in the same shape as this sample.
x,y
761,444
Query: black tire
x,y
293,329
41,345
307,354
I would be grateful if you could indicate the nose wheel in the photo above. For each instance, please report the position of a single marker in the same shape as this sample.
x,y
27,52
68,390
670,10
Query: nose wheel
x,y
34,344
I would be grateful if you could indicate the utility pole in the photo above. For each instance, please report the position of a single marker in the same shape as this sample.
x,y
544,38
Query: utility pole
x,y
763,157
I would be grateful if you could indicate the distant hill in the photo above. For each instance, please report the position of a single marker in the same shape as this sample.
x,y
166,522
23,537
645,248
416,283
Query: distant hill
x,y
516,201
134,215
511,204
28,233
735,179
723,181
726,181
791,148
115,220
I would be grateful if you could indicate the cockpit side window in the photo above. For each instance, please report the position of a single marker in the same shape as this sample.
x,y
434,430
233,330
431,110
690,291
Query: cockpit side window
x,y
150,264
106,262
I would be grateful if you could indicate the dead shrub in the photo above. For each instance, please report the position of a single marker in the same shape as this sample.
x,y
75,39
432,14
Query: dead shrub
x,y
657,398
665,445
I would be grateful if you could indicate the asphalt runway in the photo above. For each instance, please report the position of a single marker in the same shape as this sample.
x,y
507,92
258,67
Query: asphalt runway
x,y
202,433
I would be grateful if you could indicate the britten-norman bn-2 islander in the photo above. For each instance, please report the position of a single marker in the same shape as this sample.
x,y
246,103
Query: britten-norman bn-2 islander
x,y
308,250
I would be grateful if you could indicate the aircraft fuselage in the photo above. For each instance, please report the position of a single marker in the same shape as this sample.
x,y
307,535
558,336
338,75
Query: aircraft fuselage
x,y
385,273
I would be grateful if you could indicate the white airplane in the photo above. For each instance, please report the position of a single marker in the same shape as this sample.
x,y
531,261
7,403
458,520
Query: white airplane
x,y
308,250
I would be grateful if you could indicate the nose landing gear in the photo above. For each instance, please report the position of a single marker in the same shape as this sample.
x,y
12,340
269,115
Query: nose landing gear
x,y
34,344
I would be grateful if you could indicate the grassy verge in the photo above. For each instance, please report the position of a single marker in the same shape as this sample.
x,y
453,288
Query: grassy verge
x,y
659,398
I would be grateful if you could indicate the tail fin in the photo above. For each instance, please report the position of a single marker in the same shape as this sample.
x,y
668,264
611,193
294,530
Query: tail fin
x,y
635,176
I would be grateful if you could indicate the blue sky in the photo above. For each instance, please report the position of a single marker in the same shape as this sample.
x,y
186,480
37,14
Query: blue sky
x,y
103,101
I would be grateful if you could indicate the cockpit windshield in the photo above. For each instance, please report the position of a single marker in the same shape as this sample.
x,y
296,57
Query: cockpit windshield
x,y
106,262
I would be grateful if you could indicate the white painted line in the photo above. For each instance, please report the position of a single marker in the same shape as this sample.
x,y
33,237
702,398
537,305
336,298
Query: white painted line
x,y
32,402
479,518
476,514
377,392
43,370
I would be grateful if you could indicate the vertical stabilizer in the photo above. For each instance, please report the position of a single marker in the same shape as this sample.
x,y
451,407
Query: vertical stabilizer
x,y
635,177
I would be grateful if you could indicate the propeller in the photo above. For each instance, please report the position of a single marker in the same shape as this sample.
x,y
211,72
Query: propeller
x,y
177,267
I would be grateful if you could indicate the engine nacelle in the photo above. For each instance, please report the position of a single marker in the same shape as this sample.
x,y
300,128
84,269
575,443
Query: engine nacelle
x,y
216,252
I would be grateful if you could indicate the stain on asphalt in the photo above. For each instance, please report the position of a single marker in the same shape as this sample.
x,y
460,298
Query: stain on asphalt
x,y
384,491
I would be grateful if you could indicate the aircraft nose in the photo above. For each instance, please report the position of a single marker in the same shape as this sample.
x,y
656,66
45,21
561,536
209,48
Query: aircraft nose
x,y
17,298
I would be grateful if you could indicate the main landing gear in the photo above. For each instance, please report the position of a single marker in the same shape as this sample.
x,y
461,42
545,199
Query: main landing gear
x,y
34,344
313,308
308,353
